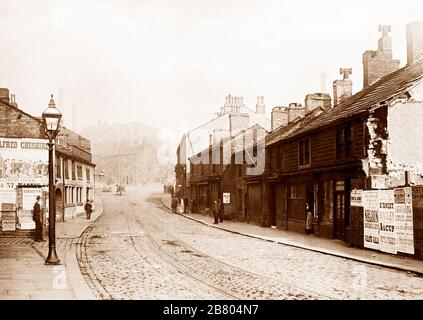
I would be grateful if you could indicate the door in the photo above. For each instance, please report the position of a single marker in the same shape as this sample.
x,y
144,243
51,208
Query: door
x,y
272,204
339,210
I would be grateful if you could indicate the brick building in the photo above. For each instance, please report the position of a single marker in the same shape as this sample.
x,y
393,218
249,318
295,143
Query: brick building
x,y
216,173
368,141
24,169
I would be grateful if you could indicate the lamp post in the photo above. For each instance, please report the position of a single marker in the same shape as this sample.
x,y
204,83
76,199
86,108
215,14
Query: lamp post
x,y
51,119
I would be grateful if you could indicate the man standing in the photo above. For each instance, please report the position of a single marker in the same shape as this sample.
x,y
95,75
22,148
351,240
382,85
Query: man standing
x,y
215,211
38,236
88,209
309,220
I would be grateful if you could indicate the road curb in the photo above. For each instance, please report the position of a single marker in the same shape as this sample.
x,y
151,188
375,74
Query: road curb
x,y
300,246
75,278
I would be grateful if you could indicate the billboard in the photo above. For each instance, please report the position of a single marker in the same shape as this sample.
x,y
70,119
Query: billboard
x,y
23,161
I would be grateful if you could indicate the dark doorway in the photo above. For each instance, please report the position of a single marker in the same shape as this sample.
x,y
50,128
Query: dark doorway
x,y
339,219
272,204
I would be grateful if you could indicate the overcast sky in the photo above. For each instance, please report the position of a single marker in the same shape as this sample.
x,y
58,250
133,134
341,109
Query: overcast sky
x,y
164,62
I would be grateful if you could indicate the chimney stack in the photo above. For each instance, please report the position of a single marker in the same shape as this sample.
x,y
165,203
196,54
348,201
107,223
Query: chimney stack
x,y
279,117
295,110
317,100
414,42
260,106
13,100
342,89
379,63
4,95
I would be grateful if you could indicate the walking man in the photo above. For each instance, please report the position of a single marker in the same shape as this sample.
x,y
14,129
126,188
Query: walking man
x,y
38,236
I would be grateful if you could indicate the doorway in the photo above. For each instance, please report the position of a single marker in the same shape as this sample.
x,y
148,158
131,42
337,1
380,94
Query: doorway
x,y
341,208
272,204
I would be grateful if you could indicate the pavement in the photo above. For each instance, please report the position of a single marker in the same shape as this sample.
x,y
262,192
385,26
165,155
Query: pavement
x,y
24,276
309,242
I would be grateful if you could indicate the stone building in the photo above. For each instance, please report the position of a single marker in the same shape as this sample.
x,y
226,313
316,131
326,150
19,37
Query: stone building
x,y
233,117
24,169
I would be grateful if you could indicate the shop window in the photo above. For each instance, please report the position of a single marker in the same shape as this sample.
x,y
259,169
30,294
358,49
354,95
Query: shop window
x,y
304,152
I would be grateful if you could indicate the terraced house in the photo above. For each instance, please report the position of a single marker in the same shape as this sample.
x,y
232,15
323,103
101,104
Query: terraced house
x,y
356,160
367,141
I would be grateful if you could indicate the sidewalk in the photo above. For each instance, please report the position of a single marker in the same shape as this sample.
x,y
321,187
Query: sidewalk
x,y
23,274
333,247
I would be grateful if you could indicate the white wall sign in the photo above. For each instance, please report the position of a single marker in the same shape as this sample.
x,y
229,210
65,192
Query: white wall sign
x,y
356,198
226,197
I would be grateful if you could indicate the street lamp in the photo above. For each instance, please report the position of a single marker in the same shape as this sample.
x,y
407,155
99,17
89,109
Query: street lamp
x,y
51,119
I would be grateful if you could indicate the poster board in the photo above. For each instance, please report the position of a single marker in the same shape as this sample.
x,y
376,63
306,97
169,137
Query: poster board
x,y
404,220
356,198
371,219
23,161
387,228
226,198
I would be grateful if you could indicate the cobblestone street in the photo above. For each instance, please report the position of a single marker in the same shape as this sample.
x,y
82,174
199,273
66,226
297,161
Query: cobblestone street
x,y
138,250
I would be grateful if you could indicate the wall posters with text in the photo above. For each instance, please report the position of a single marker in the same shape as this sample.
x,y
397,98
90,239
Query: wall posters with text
x,y
371,219
387,232
404,220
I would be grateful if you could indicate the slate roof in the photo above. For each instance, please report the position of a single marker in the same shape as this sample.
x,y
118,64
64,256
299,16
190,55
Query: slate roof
x,y
386,88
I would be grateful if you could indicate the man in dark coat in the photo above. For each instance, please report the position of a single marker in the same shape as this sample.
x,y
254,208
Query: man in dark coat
x,y
38,236
88,209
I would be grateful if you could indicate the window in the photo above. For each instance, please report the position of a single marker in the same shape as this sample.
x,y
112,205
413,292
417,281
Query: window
x,y
87,172
66,164
79,171
73,171
304,152
344,142
58,168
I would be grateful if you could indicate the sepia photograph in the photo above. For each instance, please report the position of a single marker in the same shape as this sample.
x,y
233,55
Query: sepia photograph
x,y
211,155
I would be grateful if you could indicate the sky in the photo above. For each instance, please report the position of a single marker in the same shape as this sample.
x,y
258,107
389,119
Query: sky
x,y
167,62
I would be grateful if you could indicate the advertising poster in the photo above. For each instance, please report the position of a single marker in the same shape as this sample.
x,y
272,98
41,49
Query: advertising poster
x,y
371,219
23,161
356,198
387,232
404,220
226,197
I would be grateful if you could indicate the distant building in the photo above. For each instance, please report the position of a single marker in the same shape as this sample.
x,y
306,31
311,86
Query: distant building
x,y
126,153
233,117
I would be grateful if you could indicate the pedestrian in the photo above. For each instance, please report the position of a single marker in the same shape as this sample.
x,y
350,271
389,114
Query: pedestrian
x,y
185,204
174,204
88,209
215,211
36,216
309,220
220,208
